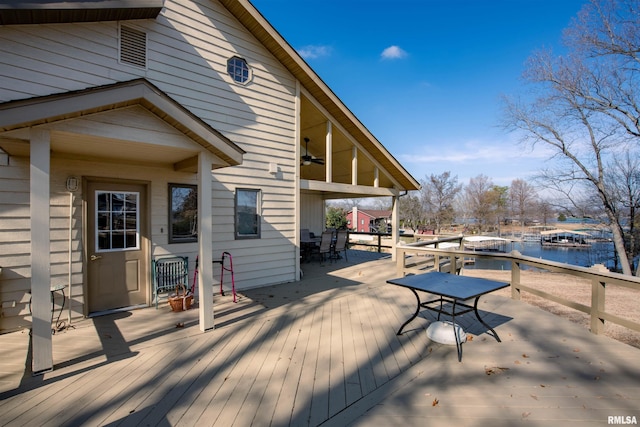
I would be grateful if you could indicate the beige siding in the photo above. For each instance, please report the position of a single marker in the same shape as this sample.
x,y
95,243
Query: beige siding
x,y
312,212
188,46
15,249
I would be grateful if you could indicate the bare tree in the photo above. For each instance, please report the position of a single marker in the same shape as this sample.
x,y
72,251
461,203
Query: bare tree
x,y
411,211
438,197
544,211
522,196
607,34
586,106
624,182
481,200
500,201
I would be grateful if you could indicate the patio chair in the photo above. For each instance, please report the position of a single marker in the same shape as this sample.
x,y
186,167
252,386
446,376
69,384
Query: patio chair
x,y
341,244
325,245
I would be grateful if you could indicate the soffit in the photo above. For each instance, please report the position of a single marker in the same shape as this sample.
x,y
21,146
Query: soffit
x,y
17,116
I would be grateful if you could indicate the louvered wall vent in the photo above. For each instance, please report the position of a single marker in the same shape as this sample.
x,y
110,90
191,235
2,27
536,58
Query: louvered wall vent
x,y
133,46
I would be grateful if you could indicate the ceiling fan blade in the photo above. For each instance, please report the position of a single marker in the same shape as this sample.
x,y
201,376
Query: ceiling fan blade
x,y
308,159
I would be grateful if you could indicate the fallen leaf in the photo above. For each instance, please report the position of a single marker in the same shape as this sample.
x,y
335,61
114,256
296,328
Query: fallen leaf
x,y
525,414
576,350
469,337
517,362
180,325
534,396
495,370
542,385
435,402
525,356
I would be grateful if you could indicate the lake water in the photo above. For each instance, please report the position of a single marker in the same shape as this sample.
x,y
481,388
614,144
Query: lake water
x,y
598,253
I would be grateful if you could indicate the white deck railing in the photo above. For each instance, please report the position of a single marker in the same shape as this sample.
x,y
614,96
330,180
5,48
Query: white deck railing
x,y
425,256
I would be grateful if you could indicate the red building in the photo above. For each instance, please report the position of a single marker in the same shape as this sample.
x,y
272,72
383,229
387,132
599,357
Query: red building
x,y
369,220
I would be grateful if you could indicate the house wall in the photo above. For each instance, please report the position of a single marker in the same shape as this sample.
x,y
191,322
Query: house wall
x,y
15,246
312,212
188,47
15,251
357,224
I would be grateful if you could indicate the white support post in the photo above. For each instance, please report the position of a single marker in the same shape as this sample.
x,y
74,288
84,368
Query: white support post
x,y
328,150
42,360
205,244
395,225
354,165
376,177
296,184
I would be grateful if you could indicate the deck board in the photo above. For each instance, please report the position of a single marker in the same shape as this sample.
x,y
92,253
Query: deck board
x,y
291,384
353,386
327,356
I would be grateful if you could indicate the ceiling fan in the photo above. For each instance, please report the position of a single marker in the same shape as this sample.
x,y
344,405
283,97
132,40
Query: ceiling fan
x,y
307,159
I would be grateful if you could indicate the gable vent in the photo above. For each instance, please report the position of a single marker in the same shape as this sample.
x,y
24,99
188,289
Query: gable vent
x,y
133,47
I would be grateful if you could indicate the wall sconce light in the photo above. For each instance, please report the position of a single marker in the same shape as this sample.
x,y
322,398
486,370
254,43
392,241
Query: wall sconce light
x,y
72,183
273,168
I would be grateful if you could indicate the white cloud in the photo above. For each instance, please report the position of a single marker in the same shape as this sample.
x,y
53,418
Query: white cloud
x,y
314,51
500,161
478,152
393,52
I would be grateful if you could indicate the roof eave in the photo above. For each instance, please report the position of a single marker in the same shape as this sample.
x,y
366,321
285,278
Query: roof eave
x,y
253,20
16,12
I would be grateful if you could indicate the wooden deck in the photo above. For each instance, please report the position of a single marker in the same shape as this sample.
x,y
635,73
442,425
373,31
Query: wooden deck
x,y
322,351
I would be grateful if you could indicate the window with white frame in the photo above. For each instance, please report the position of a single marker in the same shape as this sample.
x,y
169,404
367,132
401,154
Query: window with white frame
x,y
247,213
117,220
239,70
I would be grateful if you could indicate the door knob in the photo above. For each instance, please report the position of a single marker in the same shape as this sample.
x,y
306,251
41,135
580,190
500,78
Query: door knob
x,y
94,257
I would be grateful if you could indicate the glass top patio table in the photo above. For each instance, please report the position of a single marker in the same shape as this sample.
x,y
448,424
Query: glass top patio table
x,y
449,288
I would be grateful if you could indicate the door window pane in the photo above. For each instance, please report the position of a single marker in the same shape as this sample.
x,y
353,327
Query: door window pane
x,y
117,221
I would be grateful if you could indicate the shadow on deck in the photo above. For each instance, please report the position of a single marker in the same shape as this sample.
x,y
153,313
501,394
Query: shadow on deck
x,y
321,351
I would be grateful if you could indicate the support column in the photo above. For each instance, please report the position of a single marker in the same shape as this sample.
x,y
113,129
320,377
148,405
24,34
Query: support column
x,y
354,166
395,225
205,243
328,159
39,176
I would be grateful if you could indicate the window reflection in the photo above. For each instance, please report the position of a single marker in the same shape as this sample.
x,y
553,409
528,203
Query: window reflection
x,y
247,213
183,213
117,221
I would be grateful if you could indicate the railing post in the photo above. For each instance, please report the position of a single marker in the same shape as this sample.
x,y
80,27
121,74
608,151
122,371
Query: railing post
x,y
515,278
597,306
379,242
400,256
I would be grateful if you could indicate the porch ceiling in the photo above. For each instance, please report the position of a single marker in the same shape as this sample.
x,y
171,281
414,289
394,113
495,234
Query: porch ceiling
x,y
93,124
109,150
313,125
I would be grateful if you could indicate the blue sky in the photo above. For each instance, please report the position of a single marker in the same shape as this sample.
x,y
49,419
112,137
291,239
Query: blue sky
x,y
426,76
